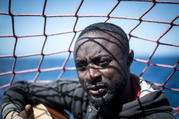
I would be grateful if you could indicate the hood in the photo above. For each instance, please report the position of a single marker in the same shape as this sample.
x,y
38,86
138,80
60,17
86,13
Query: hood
x,y
148,104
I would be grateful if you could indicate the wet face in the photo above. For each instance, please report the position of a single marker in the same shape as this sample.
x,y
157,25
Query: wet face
x,y
101,66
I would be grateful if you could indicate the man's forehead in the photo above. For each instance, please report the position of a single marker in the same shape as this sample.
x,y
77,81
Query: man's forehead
x,y
91,48
93,42
89,52
93,38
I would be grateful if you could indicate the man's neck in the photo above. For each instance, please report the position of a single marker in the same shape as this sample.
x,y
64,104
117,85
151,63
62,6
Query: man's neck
x,y
128,93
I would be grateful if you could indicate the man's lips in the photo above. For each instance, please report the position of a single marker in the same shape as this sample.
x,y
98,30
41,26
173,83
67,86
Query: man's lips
x,y
97,90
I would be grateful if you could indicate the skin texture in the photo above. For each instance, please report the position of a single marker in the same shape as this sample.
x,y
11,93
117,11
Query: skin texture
x,y
103,68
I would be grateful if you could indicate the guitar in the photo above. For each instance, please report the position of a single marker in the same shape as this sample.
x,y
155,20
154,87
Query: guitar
x,y
43,112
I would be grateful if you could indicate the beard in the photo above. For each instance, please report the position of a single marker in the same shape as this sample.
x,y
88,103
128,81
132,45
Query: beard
x,y
112,94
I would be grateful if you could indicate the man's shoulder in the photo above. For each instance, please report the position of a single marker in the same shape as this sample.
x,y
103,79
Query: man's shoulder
x,y
145,86
69,84
68,81
161,115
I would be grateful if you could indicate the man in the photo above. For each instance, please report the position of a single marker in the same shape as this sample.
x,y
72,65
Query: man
x,y
106,88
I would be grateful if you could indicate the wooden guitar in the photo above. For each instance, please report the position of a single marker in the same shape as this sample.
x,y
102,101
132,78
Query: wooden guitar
x,y
44,112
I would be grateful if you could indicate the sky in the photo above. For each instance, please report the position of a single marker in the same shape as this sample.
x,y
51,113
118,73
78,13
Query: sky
x,y
27,25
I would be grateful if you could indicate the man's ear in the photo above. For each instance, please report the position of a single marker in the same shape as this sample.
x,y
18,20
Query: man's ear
x,y
130,58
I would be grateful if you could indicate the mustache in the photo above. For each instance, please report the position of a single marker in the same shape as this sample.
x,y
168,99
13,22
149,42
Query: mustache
x,y
90,86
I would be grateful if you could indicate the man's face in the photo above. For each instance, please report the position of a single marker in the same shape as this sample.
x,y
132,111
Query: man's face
x,y
101,66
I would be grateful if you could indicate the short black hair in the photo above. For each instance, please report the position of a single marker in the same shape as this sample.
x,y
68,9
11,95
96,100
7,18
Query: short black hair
x,y
111,29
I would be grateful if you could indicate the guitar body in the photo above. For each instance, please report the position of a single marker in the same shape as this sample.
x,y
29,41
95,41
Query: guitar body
x,y
43,112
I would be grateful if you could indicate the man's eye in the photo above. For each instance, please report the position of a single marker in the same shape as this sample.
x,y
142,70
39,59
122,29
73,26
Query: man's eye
x,y
81,66
104,63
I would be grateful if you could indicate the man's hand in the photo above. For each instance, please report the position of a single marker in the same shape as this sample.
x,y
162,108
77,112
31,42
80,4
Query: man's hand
x,y
26,114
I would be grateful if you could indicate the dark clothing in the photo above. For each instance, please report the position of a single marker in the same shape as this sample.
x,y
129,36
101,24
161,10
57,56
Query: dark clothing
x,y
66,94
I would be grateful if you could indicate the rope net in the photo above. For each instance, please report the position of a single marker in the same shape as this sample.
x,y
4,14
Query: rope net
x,y
77,16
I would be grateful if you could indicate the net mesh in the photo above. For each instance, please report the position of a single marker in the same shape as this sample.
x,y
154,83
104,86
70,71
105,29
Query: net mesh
x,y
77,16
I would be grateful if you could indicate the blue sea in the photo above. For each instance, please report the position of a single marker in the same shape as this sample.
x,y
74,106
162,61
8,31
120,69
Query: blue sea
x,y
153,73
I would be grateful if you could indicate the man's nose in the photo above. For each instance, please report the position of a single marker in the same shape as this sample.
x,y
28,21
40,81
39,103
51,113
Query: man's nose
x,y
93,74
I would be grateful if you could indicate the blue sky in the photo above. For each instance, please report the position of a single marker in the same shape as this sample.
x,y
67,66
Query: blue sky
x,y
27,25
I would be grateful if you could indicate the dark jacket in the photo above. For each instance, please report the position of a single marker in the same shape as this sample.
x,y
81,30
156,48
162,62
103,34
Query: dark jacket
x,y
66,94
